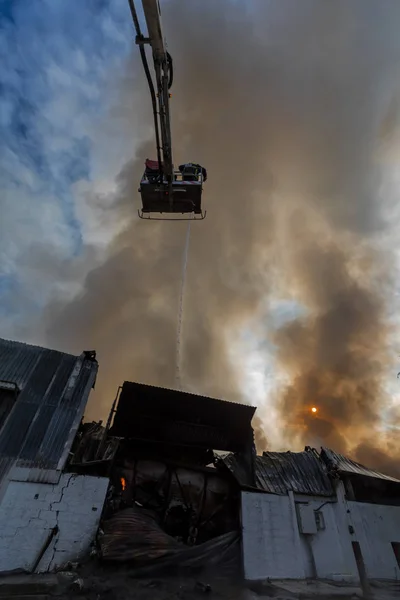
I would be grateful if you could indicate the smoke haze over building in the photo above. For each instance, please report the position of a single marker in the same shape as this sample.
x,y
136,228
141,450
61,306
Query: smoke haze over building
x,y
293,109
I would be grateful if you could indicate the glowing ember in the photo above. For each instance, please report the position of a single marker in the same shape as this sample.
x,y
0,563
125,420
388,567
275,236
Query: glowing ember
x,y
314,410
123,483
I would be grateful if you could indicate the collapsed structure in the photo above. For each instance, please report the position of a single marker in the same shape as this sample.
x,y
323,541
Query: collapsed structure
x,y
172,480
48,515
170,502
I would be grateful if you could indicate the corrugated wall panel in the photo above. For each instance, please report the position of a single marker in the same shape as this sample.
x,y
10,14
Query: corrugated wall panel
x,y
54,443
57,388
41,426
13,434
41,377
7,401
36,434
38,428
17,361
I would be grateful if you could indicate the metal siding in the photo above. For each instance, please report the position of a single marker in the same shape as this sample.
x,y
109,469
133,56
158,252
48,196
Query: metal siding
x,y
53,389
63,373
40,378
31,450
7,401
17,361
151,412
300,472
54,443
36,434
13,433
74,399
64,417
279,472
5,466
342,464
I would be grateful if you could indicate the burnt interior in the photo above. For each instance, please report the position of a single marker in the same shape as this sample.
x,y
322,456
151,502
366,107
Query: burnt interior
x,y
166,460
168,489
191,502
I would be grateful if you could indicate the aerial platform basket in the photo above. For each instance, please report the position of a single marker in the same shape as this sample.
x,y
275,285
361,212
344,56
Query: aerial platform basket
x,y
177,197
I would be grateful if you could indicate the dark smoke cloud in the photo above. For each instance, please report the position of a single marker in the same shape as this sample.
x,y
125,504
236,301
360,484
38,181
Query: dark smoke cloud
x,y
283,102
128,310
260,438
338,355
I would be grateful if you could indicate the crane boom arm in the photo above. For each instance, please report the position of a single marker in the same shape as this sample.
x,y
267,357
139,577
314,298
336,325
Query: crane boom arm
x,y
163,76
152,13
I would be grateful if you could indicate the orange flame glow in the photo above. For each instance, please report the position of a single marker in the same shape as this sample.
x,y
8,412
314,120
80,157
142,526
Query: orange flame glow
x,y
123,483
314,409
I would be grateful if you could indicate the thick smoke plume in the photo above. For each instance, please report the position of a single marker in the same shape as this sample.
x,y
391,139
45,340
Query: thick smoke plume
x,y
285,104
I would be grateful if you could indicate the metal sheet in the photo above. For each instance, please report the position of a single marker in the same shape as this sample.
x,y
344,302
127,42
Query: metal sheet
x,y
159,414
279,472
53,394
17,361
341,464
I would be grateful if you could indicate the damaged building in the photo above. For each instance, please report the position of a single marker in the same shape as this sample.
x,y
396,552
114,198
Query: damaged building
x,y
172,480
187,488
169,501
318,515
144,488
48,515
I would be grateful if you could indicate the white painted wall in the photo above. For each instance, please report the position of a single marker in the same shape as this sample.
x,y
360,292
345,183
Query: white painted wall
x,y
271,545
275,547
28,511
331,547
376,526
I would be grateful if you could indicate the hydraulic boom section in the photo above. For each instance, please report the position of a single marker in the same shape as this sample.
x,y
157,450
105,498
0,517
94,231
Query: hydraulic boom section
x,y
162,189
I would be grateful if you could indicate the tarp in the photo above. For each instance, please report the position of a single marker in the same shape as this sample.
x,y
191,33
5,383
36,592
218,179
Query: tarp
x,y
133,535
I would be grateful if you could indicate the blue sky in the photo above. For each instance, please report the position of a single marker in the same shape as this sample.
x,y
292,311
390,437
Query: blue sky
x,y
58,59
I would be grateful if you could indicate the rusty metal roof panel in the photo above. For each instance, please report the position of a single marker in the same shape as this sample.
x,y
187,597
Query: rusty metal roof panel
x,y
53,391
341,464
279,472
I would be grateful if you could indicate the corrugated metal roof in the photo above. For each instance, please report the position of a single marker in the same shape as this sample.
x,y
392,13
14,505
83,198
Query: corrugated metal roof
x,y
54,388
342,464
279,472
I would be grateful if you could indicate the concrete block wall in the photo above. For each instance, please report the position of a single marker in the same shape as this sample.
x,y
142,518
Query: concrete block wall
x,y
330,547
28,512
271,545
275,546
375,528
